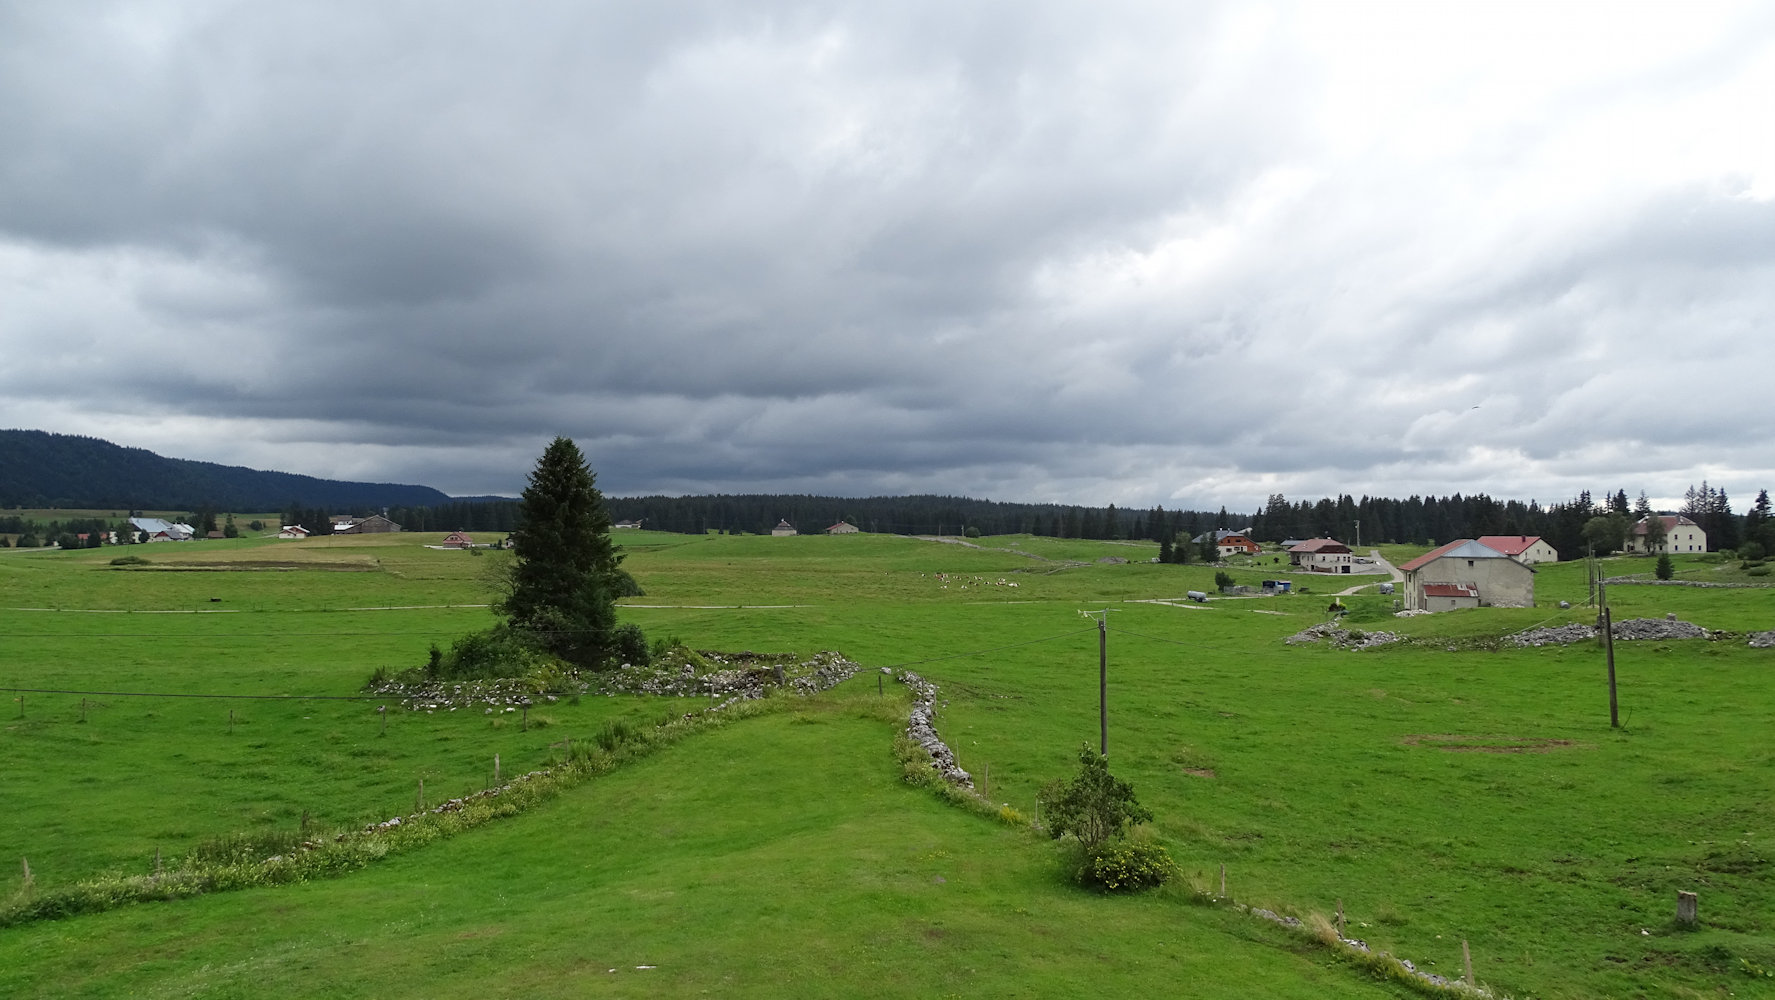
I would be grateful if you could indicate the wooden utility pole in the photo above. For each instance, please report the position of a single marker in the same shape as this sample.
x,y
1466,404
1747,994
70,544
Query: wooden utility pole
x,y
1103,684
1608,645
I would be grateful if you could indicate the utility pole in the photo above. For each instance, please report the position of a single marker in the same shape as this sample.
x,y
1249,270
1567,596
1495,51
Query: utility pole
x,y
1358,534
1608,644
1103,684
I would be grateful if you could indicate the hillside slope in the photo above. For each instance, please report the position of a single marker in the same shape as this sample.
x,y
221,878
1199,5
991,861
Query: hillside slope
x,y
39,469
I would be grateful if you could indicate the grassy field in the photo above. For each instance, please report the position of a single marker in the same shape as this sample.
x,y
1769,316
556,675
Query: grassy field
x,y
1443,790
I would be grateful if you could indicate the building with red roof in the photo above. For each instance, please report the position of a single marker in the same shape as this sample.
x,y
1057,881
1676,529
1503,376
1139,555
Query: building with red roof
x,y
1494,578
1529,549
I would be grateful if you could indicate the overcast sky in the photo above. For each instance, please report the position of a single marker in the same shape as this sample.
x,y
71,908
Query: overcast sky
x,y
1180,253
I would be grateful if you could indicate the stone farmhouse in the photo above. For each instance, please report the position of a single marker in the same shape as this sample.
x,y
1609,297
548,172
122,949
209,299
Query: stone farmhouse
x,y
843,528
783,529
1230,542
375,524
1530,549
1322,555
1478,574
1680,535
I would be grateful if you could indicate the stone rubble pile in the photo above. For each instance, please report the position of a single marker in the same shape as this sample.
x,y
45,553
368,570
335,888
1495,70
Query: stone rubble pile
x,y
1763,640
1658,628
1625,631
1362,946
921,728
507,694
1563,635
742,677
1341,637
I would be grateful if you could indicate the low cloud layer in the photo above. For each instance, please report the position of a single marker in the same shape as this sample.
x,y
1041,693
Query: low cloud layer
x,y
1190,254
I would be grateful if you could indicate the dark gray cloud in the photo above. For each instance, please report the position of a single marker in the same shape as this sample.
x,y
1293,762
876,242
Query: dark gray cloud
x,y
1182,253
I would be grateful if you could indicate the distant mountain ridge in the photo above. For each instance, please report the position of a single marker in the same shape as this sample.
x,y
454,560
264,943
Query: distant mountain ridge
x,y
41,469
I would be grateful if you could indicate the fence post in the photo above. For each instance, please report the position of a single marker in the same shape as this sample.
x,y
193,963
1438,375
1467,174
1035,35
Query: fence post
x,y
1467,962
1688,909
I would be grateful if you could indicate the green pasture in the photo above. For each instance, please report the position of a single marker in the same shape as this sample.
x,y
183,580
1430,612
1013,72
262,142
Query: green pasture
x,y
1444,789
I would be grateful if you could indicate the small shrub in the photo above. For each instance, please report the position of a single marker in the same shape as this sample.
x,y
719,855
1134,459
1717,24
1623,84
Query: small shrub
x,y
631,645
972,532
1664,570
1095,806
1223,580
130,561
1010,816
615,733
1125,866
1757,571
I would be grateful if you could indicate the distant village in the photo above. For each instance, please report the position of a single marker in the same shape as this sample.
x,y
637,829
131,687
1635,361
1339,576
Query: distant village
x,y
1484,571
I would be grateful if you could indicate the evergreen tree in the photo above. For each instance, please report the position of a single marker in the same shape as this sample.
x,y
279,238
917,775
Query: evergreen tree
x,y
1642,508
564,574
1759,524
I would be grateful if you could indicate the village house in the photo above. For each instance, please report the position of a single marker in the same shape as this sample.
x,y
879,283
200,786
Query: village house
x,y
458,540
1229,542
375,524
626,526
292,531
1322,555
1493,578
1530,549
843,528
154,529
783,529
1680,535
1449,597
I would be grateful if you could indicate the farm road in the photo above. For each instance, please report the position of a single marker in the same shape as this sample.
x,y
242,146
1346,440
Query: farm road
x,y
1380,561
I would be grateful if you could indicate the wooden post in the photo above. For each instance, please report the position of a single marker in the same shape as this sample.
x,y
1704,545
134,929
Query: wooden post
x,y
524,719
1688,909
878,689
83,710
419,802
1103,684
26,862
1340,918
382,710
1467,962
1608,645
1223,881
231,722
157,859
988,781
496,769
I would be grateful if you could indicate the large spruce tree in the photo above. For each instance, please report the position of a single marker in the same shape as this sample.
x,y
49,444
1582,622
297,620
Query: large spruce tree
x,y
564,577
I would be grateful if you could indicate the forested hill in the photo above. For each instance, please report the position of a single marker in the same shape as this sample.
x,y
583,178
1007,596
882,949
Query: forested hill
x,y
39,469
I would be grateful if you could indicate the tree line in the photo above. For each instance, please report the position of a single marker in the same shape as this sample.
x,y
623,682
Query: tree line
x,y
1572,527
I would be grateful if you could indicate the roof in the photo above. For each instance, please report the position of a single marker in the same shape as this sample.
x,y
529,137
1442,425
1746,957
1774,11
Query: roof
x,y
1510,545
1671,522
1450,590
1221,534
1321,545
1460,548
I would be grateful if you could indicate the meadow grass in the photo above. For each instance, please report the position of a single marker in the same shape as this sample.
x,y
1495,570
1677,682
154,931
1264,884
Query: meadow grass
x,y
1442,795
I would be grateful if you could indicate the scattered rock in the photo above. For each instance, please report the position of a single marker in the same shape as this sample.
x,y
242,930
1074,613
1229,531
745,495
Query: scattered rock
x,y
1763,640
1341,637
1625,631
